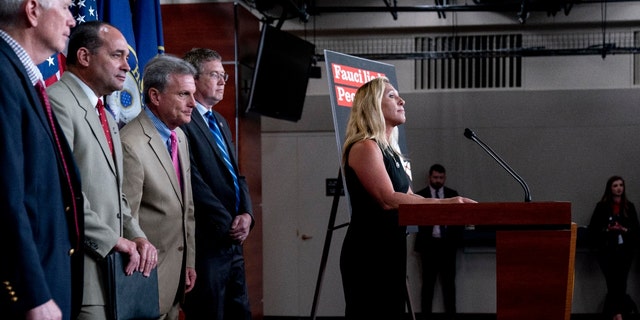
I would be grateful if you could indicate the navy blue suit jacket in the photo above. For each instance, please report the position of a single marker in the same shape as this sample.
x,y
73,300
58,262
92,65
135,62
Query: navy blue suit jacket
x,y
212,184
37,231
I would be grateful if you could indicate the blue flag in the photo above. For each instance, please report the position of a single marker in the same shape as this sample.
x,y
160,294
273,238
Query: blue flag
x,y
126,104
54,66
140,22
147,28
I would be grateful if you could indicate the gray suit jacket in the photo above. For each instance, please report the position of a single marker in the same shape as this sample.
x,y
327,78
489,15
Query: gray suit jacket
x,y
106,212
165,210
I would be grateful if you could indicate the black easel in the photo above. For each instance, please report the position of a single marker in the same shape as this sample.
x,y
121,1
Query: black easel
x,y
327,243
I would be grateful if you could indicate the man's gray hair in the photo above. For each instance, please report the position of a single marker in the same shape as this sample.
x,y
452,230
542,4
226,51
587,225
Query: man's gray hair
x,y
10,13
157,71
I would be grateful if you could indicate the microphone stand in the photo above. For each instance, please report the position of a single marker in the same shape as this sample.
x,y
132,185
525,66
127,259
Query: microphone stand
x,y
471,135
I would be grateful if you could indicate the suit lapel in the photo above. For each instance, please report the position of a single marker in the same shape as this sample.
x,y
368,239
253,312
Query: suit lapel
x,y
36,104
206,132
91,117
162,154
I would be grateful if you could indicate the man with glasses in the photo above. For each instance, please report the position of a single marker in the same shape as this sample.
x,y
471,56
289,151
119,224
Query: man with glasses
x,y
221,199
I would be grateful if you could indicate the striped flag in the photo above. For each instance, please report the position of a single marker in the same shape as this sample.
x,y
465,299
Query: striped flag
x,y
140,22
54,66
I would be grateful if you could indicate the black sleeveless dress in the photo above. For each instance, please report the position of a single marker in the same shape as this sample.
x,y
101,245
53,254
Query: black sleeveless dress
x,y
373,258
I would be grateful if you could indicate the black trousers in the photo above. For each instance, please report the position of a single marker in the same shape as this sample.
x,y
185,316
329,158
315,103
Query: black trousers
x,y
439,259
615,264
220,292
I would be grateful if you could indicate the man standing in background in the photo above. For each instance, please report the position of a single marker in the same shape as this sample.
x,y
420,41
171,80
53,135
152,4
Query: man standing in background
x,y
222,201
97,66
41,224
438,246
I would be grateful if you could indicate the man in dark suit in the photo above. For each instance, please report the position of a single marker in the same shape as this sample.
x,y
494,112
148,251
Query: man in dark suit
x,y
97,66
438,246
221,198
40,192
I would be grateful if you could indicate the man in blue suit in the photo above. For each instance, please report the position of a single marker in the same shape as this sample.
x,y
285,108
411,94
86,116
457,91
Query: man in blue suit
x,y
40,193
221,200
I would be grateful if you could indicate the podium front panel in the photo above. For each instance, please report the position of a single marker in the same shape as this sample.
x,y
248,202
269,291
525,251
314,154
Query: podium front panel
x,y
535,252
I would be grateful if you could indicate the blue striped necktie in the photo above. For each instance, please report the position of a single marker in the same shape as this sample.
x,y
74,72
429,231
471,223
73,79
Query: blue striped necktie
x,y
222,146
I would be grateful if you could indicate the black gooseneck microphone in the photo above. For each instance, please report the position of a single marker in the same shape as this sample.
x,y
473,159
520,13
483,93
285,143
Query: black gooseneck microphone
x,y
471,135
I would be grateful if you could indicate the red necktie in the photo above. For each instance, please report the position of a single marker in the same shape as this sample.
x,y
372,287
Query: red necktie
x,y
47,107
105,125
174,155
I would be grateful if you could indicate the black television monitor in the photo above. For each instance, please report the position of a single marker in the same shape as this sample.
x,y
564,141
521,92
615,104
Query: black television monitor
x,y
281,74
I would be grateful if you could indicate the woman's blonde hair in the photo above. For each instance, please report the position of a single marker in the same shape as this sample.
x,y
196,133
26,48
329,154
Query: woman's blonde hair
x,y
366,120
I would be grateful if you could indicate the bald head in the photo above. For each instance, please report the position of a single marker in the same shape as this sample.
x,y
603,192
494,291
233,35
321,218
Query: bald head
x,y
87,35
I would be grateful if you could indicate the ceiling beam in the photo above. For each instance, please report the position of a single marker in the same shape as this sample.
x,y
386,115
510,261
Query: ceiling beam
x,y
500,6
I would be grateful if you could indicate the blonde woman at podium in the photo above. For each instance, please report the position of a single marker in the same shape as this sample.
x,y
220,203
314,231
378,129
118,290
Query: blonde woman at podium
x,y
613,234
373,257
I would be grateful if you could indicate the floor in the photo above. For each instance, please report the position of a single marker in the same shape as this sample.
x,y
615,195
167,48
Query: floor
x,y
463,316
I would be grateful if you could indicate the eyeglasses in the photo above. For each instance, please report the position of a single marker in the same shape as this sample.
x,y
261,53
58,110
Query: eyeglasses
x,y
217,76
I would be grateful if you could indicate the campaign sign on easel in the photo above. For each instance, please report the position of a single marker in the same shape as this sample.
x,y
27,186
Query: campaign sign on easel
x,y
346,74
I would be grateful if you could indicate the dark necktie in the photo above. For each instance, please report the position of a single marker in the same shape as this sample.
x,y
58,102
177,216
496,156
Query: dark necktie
x,y
42,94
222,146
105,124
174,156
438,231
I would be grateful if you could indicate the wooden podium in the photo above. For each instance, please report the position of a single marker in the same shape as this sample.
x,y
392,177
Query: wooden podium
x,y
535,252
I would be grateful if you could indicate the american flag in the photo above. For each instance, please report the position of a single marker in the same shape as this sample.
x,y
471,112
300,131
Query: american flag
x,y
142,28
53,67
